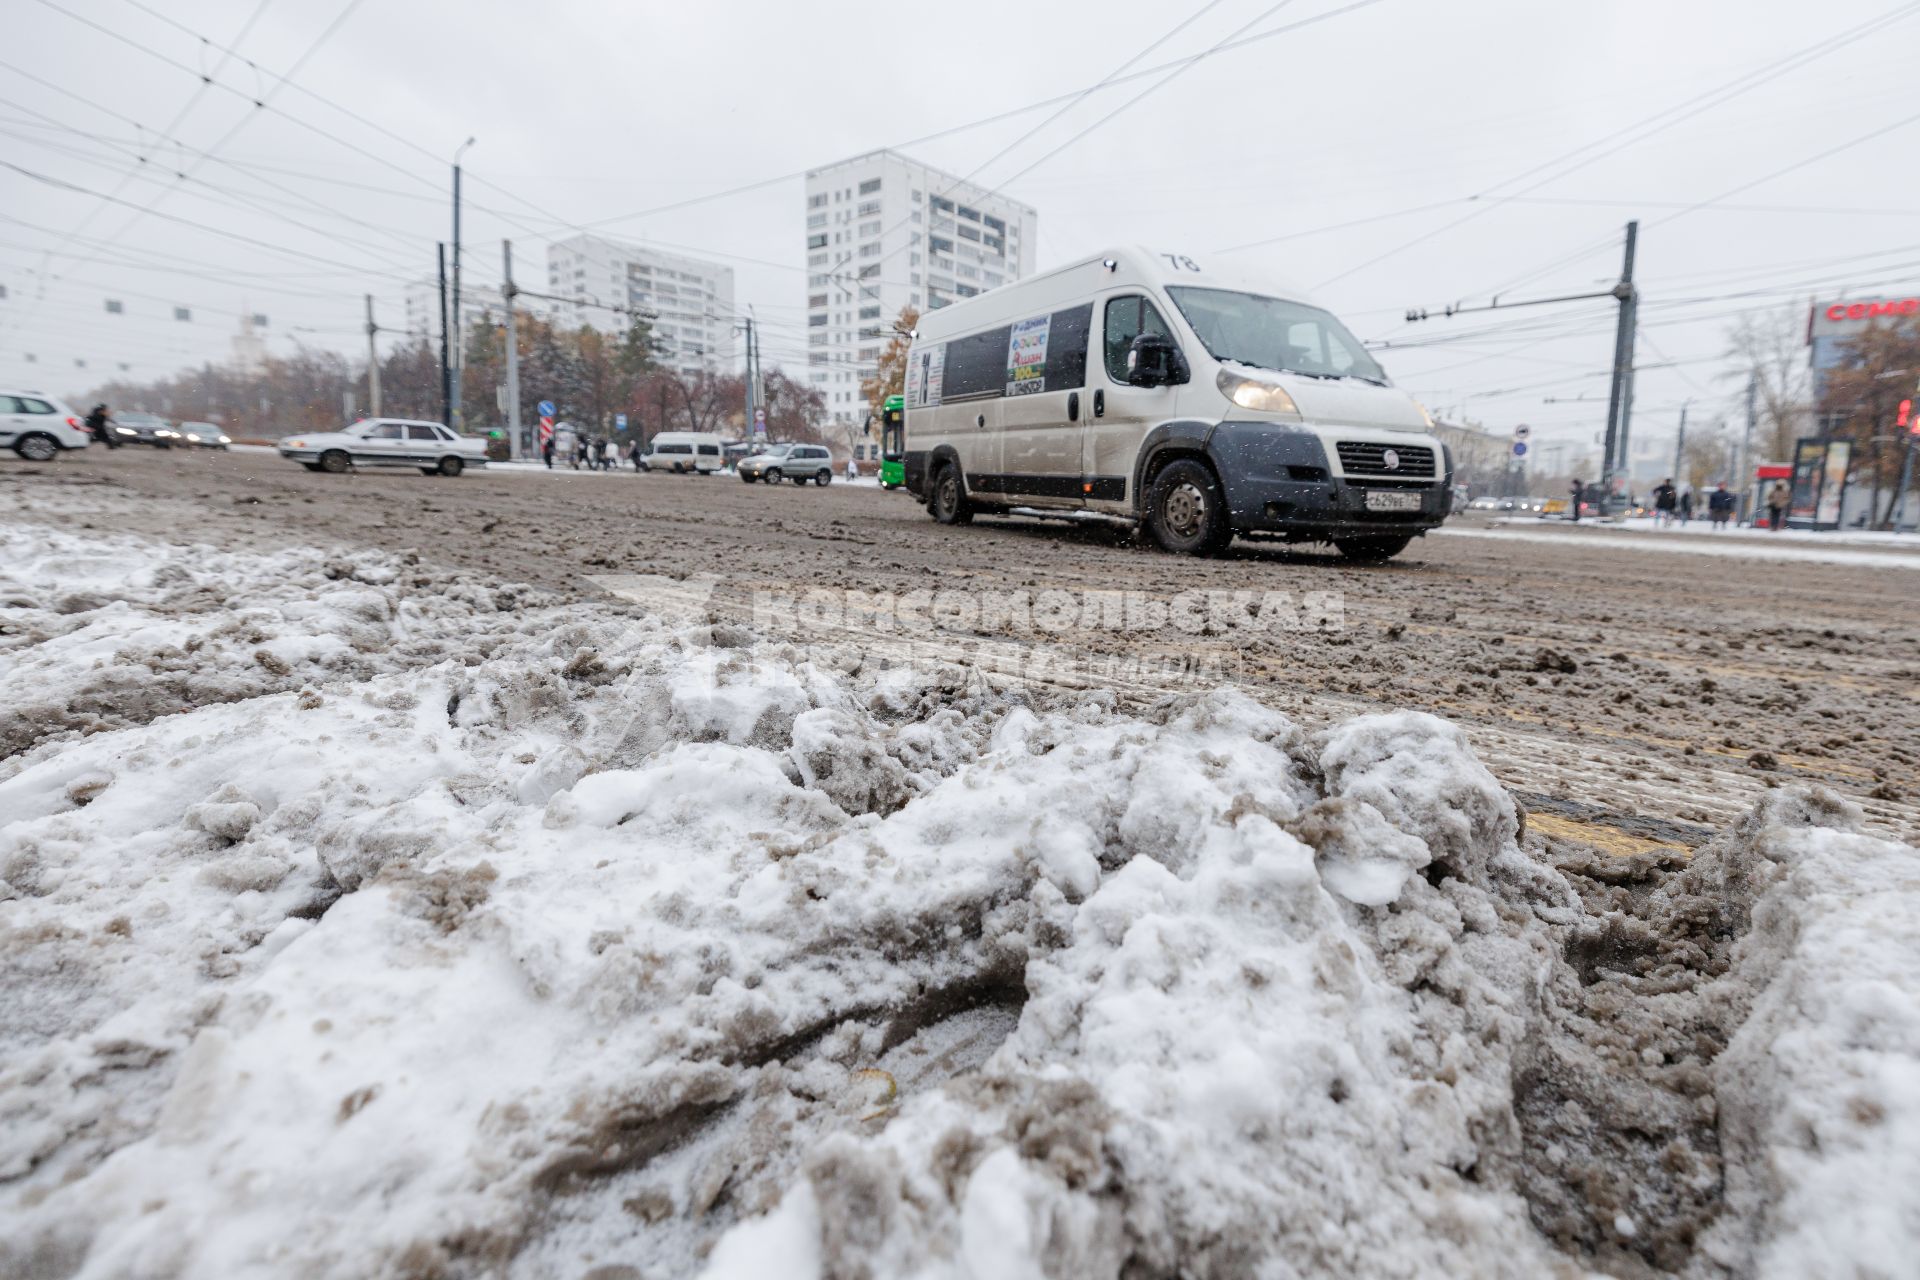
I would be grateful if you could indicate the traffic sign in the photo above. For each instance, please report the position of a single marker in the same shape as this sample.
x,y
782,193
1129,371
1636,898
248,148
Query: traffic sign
x,y
546,408
1519,448
619,422
1522,432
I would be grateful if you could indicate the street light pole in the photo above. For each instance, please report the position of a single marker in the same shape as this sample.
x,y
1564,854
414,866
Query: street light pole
x,y
459,344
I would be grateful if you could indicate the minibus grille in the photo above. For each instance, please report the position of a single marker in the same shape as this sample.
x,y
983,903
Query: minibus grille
x,y
1367,458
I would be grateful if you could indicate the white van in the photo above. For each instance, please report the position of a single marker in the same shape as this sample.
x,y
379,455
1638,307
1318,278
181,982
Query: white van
x,y
685,452
1162,389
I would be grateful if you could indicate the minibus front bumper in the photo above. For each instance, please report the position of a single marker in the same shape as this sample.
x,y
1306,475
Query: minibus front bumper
x,y
1280,481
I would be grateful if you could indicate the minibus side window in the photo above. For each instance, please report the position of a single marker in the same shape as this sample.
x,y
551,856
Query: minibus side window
x,y
1128,318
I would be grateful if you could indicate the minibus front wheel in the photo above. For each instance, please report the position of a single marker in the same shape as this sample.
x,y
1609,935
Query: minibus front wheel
x,y
1187,509
1371,550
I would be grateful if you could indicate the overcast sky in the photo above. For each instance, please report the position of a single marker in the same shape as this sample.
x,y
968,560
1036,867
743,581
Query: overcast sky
x,y
1362,138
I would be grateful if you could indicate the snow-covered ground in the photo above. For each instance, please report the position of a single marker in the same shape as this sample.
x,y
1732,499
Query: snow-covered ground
x,y
362,919
1811,548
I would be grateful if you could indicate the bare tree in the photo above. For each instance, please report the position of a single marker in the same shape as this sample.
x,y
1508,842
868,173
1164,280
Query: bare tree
x,y
1877,369
890,373
1770,346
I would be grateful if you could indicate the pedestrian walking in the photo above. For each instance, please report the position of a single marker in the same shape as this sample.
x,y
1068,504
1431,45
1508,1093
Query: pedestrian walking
x,y
1779,498
1720,506
1665,500
634,455
1686,505
853,469
546,451
100,423
599,453
1573,504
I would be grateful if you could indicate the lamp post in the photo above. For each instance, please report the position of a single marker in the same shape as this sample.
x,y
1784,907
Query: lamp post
x,y
459,343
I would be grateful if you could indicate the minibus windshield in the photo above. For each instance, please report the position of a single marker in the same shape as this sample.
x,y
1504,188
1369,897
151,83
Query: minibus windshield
x,y
1271,333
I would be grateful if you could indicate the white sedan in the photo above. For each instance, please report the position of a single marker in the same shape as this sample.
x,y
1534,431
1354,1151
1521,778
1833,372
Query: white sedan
x,y
387,442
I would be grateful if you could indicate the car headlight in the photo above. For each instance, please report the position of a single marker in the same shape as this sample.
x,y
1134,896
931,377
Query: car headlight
x,y
1260,397
225,440
296,444
1425,416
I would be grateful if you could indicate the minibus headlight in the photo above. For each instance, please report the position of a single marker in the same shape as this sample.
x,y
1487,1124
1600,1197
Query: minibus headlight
x,y
1261,397
1425,414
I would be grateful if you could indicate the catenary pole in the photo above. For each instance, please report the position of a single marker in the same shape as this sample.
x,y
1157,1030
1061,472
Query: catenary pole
x,y
1680,444
1620,391
508,292
373,360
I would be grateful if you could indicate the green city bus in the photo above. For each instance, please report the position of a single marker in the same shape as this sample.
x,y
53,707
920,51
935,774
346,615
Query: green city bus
x,y
893,443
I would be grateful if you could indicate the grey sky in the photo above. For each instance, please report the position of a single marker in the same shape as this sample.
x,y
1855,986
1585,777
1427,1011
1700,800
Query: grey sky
x,y
595,113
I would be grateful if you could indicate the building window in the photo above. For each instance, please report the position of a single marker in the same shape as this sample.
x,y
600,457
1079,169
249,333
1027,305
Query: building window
x,y
969,233
817,322
869,271
817,300
817,202
817,357
916,197
994,224
870,250
869,353
941,204
996,244
816,220
870,186
818,260
817,241
966,290
869,313
939,244
970,214
869,207
870,228
818,281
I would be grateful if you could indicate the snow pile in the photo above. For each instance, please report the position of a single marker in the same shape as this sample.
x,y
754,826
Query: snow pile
x,y
103,632
594,945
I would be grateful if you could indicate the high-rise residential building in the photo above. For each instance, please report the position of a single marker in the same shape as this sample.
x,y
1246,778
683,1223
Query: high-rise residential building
x,y
885,232
478,304
688,301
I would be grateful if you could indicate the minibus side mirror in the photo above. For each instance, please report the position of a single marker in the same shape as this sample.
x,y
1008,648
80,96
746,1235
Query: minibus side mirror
x,y
1155,360
866,428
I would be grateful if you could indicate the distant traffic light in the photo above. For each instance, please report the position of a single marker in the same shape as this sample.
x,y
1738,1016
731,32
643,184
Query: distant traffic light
x,y
1904,414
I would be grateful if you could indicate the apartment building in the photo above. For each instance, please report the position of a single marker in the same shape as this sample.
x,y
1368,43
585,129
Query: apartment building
x,y
688,301
884,232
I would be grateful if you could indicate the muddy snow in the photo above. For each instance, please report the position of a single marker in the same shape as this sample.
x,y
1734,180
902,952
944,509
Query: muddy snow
x,y
364,918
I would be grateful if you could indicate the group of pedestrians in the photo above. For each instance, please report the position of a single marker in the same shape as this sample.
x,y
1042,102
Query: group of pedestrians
x,y
585,452
1671,505
1674,505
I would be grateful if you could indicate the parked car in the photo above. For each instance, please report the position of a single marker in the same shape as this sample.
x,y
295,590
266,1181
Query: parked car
x,y
137,427
429,447
203,435
796,462
39,427
684,452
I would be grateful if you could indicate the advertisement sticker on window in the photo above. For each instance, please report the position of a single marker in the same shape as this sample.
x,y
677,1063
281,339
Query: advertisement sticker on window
x,y
1027,356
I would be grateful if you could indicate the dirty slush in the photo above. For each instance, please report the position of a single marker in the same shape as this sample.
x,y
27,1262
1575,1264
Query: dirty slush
x,y
365,916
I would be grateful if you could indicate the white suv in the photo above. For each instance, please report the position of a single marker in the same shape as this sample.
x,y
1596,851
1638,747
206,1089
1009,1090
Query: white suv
x,y
38,427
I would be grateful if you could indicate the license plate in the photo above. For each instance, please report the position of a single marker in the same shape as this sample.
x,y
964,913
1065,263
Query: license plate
x,y
1392,500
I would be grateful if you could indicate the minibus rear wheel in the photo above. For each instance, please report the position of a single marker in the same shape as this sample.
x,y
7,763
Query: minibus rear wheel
x,y
1187,510
1371,550
948,503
